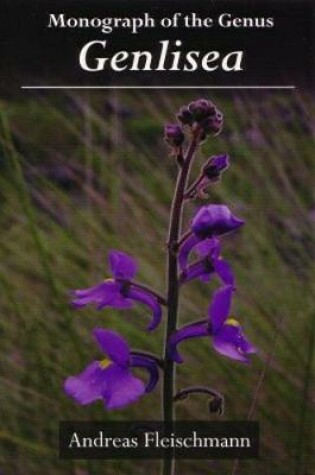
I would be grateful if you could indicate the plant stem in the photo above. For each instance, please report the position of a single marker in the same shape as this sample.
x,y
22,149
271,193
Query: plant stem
x,y
172,293
190,192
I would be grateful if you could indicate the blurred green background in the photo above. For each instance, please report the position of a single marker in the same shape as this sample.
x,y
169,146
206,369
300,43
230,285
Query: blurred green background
x,y
85,173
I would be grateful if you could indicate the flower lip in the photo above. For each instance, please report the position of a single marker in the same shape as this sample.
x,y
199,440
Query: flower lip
x,y
86,387
122,387
110,379
230,341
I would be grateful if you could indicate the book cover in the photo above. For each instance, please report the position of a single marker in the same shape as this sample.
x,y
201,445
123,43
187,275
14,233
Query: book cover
x,y
157,240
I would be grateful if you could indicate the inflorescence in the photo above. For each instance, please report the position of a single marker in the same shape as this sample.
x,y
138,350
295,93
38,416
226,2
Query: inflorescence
x,y
111,379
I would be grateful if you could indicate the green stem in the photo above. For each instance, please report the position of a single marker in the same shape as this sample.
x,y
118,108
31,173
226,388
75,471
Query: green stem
x,y
172,295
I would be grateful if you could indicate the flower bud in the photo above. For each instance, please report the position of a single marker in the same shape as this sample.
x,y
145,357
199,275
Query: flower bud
x,y
215,166
213,124
184,116
173,135
201,109
216,405
210,173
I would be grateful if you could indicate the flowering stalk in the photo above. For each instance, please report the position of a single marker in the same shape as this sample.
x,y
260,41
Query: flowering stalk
x,y
173,287
111,379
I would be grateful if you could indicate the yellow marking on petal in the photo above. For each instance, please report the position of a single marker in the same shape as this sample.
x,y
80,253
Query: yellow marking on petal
x,y
105,363
109,280
233,322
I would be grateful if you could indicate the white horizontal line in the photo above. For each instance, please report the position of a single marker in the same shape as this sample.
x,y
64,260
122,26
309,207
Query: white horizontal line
x,y
159,87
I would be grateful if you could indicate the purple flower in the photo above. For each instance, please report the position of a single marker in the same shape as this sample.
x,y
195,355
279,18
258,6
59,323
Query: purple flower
x,y
227,336
210,264
111,380
119,292
210,221
174,135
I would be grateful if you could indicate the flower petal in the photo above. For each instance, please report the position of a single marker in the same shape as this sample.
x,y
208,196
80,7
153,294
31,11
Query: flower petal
x,y
214,220
114,345
185,250
200,270
206,277
122,388
138,361
107,294
190,331
228,349
104,291
209,247
88,386
224,271
122,265
219,308
204,269
117,301
151,301
214,167
174,135
244,345
231,342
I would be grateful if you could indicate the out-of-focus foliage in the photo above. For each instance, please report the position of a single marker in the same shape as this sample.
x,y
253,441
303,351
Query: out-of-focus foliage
x,y
81,174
